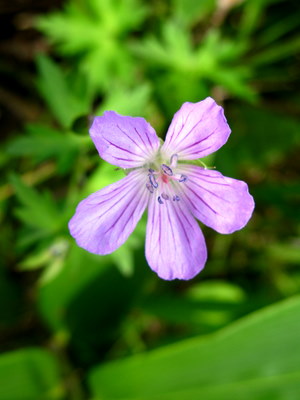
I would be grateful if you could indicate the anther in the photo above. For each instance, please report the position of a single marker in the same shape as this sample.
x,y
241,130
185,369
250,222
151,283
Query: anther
x,y
183,178
160,200
176,198
152,180
165,196
149,187
151,170
173,160
167,170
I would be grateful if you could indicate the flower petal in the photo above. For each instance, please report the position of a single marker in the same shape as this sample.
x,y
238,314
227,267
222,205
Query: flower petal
x,y
221,203
175,246
197,129
128,142
104,220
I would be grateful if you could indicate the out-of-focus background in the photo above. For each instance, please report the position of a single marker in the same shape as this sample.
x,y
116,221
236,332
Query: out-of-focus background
x,y
78,326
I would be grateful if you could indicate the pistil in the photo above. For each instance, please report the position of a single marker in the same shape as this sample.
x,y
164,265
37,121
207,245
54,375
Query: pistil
x,y
164,174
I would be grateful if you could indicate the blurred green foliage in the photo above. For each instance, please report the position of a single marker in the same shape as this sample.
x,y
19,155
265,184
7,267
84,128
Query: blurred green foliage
x,y
67,317
243,361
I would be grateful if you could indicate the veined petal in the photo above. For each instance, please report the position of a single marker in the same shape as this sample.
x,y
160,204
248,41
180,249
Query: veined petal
x,y
104,220
221,203
128,142
175,246
197,129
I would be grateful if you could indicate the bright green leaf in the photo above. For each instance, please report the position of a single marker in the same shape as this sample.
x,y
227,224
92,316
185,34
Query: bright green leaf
x,y
94,32
42,142
29,374
127,102
60,98
190,12
244,357
38,211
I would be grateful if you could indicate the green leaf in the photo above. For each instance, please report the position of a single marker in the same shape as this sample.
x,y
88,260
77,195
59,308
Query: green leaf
x,y
56,294
43,142
95,32
279,29
189,67
247,359
87,301
204,307
277,52
29,374
35,260
190,11
60,98
84,27
127,102
252,12
51,259
173,50
123,258
105,174
285,252
38,211
261,137
235,82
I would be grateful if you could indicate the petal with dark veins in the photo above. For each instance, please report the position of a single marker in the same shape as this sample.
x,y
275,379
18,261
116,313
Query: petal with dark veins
x,y
104,220
175,246
221,203
197,130
127,142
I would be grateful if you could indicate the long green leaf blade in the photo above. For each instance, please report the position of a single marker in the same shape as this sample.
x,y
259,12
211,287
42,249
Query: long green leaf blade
x,y
260,347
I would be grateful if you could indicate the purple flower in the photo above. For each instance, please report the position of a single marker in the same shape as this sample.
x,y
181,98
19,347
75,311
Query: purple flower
x,y
175,193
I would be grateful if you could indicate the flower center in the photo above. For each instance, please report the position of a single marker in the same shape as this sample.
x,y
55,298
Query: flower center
x,y
165,178
165,181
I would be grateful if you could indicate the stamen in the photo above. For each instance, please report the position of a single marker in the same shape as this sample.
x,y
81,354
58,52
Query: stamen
x,y
165,196
167,170
153,181
183,178
151,170
160,200
149,187
173,160
176,198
